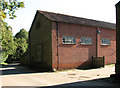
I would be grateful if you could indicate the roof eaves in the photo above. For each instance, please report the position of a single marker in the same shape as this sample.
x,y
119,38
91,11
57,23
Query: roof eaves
x,y
56,17
100,26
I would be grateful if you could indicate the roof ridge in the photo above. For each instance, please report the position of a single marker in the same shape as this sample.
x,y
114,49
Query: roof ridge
x,y
74,16
76,20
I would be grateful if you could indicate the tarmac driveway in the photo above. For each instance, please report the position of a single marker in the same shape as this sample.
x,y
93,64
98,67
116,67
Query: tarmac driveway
x,y
16,75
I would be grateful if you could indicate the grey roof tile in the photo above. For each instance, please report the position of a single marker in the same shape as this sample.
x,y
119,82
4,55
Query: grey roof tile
x,y
77,20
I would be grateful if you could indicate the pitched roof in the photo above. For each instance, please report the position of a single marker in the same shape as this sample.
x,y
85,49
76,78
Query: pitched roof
x,y
76,20
118,4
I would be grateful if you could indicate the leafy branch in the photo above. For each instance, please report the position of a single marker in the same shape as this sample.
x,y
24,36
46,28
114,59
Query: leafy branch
x,y
9,7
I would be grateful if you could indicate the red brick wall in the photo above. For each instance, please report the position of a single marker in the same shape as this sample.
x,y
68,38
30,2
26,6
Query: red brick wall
x,y
109,51
77,55
54,46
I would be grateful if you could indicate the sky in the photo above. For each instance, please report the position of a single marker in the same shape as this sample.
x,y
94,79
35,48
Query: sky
x,y
102,10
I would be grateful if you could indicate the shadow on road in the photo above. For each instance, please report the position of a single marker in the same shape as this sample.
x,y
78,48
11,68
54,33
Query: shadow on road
x,y
97,83
15,68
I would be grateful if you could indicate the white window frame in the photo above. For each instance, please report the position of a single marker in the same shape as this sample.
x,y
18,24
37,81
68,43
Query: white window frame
x,y
86,40
68,40
105,41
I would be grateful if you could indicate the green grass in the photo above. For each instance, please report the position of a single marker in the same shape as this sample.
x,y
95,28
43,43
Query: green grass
x,y
110,65
4,63
65,70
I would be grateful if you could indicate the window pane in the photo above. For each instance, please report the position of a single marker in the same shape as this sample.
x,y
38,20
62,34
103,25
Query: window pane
x,y
68,39
63,39
74,39
105,41
82,41
86,40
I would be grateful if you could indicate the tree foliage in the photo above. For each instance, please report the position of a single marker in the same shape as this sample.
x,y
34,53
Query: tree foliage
x,y
22,34
9,7
21,39
7,42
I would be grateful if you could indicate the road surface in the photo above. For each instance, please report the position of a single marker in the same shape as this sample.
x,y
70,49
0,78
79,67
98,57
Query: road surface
x,y
17,75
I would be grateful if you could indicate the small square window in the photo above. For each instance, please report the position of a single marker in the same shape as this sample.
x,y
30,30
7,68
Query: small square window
x,y
105,41
86,40
38,25
68,40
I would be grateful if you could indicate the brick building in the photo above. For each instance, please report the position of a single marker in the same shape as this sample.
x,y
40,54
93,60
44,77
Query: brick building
x,y
58,41
117,66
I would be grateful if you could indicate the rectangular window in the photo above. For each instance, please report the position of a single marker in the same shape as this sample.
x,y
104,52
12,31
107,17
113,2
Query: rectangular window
x,y
68,40
86,40
105,41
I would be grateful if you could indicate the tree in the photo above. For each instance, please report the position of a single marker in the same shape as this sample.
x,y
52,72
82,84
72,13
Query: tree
x,y
21,39
22,34
7,42
7,9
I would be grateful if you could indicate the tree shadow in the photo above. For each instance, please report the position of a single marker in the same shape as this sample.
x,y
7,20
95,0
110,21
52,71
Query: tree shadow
x,y
8,66
96,83
12,69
